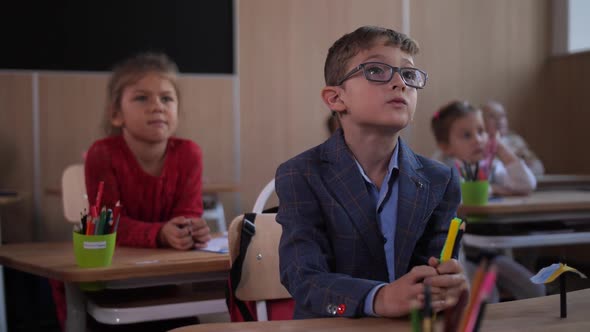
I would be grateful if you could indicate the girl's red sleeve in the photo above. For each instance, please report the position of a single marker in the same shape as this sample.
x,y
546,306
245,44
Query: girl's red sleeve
x,y
189,200
99,166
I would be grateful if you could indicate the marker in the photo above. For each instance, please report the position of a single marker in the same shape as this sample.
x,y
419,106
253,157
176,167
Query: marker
x,y
453,314
447,251
415,315
101,221
91,222
99,194
116,216
475,289
108,221
457,245
118,213
427,312
486,288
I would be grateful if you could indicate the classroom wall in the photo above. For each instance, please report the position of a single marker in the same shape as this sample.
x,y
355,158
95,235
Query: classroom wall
x,y
16,157
559,128
270,110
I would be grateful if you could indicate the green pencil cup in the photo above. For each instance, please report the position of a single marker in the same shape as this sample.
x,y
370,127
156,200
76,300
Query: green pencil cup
x,y
475,192
94,251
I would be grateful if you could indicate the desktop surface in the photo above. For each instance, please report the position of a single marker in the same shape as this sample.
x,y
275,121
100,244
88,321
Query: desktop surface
x,y
538,314
56,260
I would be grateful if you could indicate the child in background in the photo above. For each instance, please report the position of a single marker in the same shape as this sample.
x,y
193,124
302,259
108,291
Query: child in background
x,y
363,217
459,132
155,176
496,121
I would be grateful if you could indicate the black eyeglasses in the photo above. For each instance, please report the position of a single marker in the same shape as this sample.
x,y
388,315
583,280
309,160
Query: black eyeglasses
x,y
383,73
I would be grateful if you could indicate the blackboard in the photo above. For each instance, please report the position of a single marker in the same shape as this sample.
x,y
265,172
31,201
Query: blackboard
x,y
93,35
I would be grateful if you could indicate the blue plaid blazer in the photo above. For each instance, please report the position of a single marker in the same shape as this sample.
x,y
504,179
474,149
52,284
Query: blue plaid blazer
x,y
331,249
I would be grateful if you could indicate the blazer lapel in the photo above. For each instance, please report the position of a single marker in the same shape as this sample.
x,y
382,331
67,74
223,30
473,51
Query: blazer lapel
x,y
347,185
412,203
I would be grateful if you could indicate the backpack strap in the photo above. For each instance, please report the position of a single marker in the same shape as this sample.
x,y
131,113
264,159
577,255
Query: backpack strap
x,y
248,230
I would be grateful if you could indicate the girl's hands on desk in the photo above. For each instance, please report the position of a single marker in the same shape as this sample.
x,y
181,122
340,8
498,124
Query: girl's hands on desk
x,y
200,232
184,233
448,284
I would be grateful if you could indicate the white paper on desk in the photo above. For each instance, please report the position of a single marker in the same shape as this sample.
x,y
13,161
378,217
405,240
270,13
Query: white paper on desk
x,y
218,244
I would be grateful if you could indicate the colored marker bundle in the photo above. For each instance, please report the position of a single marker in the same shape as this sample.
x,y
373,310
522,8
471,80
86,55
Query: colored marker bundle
x,y
95,223
423,321
481,170
472,171
466,315
482,287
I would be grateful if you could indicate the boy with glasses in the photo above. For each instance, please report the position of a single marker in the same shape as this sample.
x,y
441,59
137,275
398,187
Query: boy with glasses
x,y
363,217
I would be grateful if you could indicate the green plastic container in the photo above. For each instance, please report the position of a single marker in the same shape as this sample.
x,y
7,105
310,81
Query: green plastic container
x,y
475,192
94,251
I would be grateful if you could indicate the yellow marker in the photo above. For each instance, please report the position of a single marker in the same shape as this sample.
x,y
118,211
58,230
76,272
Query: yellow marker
x,y
447,251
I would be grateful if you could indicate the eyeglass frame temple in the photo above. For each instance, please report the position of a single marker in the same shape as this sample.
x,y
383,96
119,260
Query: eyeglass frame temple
x,y
350,73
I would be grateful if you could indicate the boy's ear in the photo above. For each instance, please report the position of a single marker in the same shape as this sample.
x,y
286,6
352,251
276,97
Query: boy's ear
x,y
331,97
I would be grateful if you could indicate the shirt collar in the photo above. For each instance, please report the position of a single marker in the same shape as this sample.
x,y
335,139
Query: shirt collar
x,y
393,163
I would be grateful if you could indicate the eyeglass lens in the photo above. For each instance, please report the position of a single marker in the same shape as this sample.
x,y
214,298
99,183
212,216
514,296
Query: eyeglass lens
x,y
383,73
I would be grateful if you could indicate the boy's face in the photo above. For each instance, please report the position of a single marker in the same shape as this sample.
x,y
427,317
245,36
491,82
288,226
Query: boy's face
x,y
495,120
369,104
467,138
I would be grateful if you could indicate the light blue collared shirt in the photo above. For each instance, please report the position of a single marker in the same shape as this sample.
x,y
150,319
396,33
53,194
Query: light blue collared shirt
x,y
385,199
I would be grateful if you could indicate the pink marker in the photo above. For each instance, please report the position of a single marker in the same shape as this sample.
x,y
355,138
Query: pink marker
x,y
486,288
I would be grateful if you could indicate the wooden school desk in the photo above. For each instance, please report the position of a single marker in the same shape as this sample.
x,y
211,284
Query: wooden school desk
x,y
543,218
207,188
564,181
538,314
130,265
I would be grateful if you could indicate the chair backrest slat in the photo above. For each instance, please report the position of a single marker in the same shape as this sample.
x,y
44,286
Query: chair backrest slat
x,y
73,189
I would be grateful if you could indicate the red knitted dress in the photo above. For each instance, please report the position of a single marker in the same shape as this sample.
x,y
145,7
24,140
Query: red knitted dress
x,y
147,201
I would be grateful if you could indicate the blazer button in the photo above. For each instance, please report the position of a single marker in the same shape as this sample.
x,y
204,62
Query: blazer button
x,y
332,309
341,309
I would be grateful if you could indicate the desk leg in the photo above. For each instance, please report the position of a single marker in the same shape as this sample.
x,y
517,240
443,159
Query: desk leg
x,y
3,326
76,303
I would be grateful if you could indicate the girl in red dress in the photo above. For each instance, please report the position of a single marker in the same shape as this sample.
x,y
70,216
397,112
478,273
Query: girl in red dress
x,y
155,176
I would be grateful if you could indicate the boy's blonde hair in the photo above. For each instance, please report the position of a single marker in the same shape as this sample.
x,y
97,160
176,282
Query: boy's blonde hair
x,y
443,119
361,39
128,72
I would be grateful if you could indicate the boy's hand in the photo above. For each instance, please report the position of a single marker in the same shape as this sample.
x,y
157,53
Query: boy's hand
x,y
394,299
447,285
200,232
177,234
